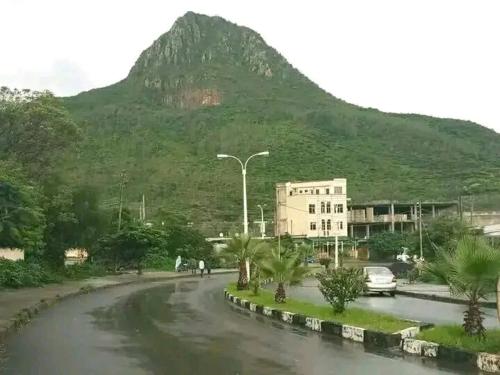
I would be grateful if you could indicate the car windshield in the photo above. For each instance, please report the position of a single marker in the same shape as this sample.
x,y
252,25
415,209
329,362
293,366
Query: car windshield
x,y
379,271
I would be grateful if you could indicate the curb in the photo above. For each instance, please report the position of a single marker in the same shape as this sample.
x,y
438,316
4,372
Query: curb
x,y
433,297
404,339
484,361
361,335
26,314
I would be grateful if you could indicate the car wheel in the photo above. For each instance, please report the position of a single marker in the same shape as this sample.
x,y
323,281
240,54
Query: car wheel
x,y
393,293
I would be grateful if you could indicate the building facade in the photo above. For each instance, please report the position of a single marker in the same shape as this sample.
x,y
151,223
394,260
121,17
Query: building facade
x,y
313,209
368,218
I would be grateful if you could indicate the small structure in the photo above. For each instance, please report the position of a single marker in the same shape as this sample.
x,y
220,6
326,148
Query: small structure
x,y
75,256
11,254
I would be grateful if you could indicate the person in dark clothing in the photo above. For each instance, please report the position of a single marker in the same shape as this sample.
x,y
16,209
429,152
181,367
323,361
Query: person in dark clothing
x,y
208,267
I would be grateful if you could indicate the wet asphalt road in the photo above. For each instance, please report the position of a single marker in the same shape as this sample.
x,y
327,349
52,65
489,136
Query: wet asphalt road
x,y
410,308
185,327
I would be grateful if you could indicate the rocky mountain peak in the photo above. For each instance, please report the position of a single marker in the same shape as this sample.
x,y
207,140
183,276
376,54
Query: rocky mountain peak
x,y
196,54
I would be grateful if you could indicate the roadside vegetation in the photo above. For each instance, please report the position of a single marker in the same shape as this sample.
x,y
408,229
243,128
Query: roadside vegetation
x,y
455,336
352,316
44,213
470,270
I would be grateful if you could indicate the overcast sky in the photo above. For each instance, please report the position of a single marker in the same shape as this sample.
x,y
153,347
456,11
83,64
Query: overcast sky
x,y
435,57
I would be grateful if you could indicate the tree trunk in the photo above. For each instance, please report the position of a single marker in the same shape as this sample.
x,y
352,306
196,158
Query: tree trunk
x,y
280,296
473,320
242,278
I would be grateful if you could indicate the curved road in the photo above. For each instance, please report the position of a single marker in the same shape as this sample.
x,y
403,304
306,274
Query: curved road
x,y
184,327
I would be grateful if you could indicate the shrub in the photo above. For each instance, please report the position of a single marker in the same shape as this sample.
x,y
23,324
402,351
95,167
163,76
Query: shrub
x,y
84,271
341,286
159,261
21,273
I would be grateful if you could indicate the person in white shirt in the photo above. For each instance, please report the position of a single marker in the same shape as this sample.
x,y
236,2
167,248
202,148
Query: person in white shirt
x,y
201,266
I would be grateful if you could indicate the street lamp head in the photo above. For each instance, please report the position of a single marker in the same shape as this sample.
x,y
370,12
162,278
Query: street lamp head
x,y
222,156
264,153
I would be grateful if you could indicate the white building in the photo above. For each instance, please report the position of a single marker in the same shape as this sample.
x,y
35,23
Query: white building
x,y
312,209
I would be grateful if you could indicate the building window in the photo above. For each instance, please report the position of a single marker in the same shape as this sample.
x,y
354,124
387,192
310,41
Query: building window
x,y
312,208
312,225
327,191
291,193
322,207
337,190
300,191
328,224
338,208
317,191
340,225
328,207
323,224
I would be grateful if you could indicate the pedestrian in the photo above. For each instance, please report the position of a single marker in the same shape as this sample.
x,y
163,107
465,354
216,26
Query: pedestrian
x,y
201,266
208,267
178,263
192,266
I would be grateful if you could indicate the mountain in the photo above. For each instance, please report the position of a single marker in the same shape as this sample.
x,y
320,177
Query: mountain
x,y
208,86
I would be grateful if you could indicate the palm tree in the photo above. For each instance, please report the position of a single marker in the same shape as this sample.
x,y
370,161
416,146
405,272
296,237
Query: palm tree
x,y
242,249
471,270
283,270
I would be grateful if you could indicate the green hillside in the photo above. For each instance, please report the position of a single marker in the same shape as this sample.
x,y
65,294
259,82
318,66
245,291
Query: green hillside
x,y
209,86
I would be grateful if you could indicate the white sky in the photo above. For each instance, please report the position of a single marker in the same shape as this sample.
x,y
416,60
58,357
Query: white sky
x,y
435,57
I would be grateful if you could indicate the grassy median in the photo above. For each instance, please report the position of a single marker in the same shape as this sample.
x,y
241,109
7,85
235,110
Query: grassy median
x,y
351,316
455,336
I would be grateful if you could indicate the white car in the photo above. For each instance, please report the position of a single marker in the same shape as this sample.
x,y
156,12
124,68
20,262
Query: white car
x,y
380,280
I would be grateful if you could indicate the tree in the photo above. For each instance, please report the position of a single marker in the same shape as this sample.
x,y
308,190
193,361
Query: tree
x,y
241,249
35,129
21,218
61,225
385,245
471,270
129,247
341,286
443,232
283,270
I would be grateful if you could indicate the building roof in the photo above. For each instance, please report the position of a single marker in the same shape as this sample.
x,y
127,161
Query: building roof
x,y
402,203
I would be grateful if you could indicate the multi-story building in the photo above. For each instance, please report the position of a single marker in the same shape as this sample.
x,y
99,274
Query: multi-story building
x,y
368,218
312,209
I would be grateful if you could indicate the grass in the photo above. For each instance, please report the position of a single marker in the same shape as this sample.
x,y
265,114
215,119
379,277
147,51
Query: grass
x,y
454,336
351,316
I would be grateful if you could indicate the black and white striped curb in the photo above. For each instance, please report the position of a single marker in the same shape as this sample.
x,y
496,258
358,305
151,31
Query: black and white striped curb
x,y
404,339
484,361
346,331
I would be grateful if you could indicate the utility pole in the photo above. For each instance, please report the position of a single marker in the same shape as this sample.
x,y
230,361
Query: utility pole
x,y
498,298
143,208
122,187
420,228
262,224
336,252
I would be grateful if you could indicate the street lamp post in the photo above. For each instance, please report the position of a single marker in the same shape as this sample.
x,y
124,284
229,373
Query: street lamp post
x,y
244,174
245,211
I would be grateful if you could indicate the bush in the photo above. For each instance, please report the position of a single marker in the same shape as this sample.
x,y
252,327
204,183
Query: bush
x,y
341,286
386,245
159,261
20,274
84,271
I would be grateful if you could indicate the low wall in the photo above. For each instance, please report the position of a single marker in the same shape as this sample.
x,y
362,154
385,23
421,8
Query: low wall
x,y
11,254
